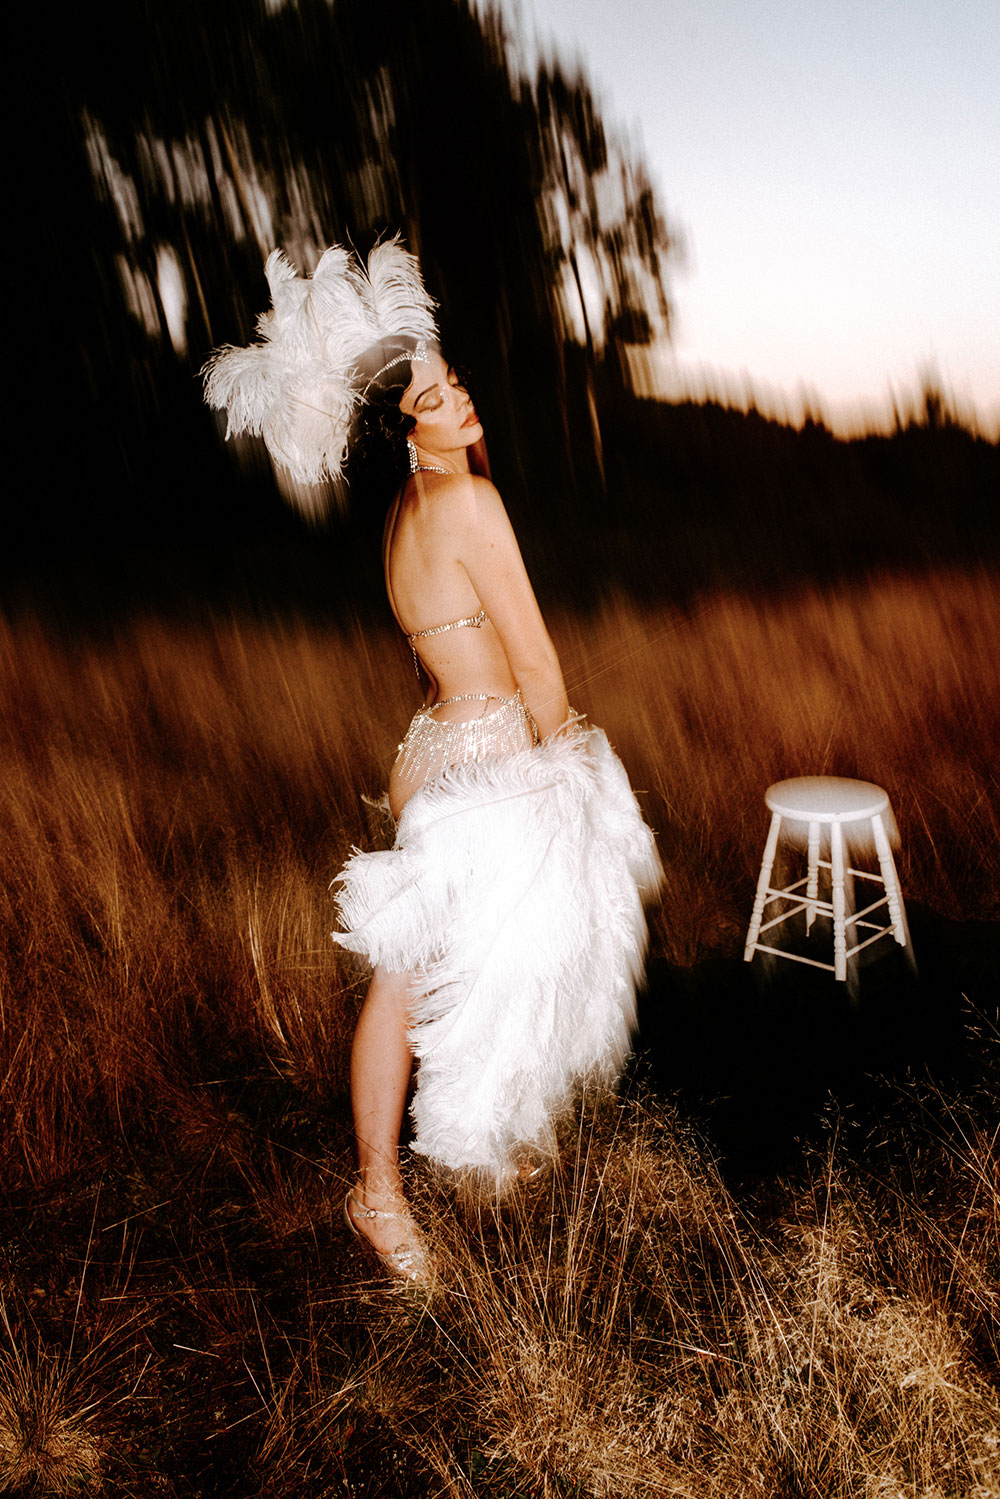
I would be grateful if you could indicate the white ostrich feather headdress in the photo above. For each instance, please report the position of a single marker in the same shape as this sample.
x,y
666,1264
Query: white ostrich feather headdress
x,y
325,342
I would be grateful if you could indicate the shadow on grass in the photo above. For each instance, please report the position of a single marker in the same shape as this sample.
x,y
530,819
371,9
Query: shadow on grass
x,y
756,1050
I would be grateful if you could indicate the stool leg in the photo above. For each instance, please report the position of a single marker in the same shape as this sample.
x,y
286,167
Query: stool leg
x,y
837,874
890,880
767,864
812,883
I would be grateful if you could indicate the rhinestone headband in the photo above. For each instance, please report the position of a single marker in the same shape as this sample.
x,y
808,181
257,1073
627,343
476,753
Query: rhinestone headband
x,y
419,355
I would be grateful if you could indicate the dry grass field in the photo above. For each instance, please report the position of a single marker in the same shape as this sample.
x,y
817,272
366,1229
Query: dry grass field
x,y
182,1313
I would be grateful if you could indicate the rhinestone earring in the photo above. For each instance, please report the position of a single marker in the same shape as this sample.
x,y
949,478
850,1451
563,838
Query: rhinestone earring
x,y
414,456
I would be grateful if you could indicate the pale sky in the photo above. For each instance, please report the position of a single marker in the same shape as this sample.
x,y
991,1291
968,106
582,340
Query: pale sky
x,y
834,166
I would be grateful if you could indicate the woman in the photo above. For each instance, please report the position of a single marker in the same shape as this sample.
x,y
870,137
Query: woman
x,y
505,925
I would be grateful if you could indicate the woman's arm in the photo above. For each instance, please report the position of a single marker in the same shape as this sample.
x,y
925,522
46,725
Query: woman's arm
x,y
487,548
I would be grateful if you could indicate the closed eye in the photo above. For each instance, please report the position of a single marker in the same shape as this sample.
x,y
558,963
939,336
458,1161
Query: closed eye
x,y
430,399
433,397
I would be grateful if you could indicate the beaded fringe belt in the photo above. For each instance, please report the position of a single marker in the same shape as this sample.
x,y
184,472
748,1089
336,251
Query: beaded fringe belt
x,y
430,744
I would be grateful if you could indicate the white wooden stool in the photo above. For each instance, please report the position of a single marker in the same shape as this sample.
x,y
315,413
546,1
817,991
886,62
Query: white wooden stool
x,y
843,806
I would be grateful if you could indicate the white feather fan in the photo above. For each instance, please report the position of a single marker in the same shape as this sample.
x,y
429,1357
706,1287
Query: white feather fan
x,y
514,896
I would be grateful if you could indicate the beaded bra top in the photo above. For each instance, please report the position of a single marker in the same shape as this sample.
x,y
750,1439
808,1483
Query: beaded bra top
x,y
470,622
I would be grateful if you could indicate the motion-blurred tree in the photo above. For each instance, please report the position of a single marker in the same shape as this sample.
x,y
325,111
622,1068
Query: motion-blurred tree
x,y
605,238
198,137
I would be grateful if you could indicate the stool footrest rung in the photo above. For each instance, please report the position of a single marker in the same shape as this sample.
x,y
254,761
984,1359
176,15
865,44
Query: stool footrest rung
x,y
859,820
882,931
859,874
819,906
794,957
867,910
787,915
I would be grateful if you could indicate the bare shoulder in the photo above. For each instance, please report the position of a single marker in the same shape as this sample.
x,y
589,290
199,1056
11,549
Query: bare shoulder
x,y
470,505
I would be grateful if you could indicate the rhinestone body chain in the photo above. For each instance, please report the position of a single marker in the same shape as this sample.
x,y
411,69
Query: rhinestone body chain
x,y
430,745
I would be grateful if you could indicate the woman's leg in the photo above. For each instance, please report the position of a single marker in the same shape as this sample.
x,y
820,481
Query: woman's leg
x,y
381,1062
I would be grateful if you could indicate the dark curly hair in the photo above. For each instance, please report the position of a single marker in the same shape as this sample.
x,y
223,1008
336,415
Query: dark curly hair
x,y
378,441
377,447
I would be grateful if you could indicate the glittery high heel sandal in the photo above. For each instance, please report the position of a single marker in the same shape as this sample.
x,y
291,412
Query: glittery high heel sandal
x,y
409,1261
523,1172
531,1171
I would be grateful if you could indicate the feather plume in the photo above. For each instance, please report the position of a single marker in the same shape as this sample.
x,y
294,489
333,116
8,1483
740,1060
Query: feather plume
x,y
393,294
298,386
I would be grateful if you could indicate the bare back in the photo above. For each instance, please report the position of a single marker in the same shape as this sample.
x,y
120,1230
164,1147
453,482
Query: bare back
x,y
428,585
449,553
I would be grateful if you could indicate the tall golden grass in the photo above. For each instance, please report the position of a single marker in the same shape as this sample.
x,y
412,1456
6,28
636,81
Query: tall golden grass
x,y
176,1026
636,1330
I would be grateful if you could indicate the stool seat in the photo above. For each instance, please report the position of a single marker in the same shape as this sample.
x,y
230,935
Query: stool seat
x,y
826,799
849,816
